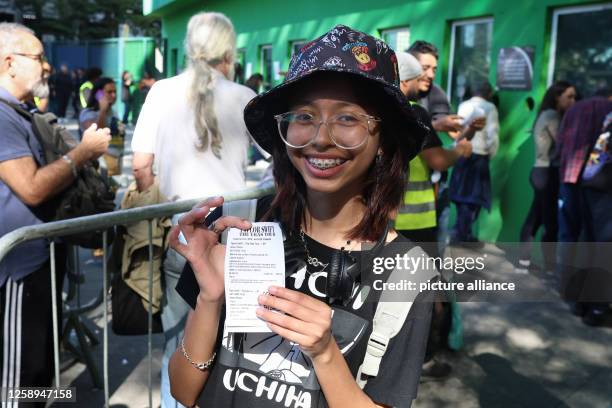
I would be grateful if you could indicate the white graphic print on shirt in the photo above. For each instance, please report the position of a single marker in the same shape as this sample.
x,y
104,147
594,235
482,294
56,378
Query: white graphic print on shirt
x,y
276,369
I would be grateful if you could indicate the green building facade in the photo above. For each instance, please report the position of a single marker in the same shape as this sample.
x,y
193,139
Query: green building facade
x,y
521,46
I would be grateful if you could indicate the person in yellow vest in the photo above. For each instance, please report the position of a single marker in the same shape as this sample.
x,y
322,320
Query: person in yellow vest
x,y
416,218
91,76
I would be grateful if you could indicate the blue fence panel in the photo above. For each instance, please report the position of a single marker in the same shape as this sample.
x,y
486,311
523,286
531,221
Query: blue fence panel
x,y
112,55
73,55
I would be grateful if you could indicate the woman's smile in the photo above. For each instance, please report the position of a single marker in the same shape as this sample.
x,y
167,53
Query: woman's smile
x,y
324,165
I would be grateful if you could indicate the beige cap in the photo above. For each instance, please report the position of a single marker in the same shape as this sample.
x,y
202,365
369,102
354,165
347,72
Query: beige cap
x,y
409,66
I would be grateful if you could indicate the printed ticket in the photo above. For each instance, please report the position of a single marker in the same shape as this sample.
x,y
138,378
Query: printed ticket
x,y
254,261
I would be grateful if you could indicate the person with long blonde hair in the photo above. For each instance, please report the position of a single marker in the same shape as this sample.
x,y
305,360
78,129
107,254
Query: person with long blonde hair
x,y
191,137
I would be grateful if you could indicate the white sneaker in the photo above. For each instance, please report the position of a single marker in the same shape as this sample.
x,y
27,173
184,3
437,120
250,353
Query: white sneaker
x,y
521,271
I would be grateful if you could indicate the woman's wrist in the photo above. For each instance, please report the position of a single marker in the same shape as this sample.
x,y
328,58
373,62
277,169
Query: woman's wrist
x,y
207,300
328,354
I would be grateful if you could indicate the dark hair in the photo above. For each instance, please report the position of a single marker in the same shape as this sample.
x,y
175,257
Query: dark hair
x,y
482,87
383,189
549,101
92,101
422,47
604,91
238,72
252,81
478,87
256,75
93,73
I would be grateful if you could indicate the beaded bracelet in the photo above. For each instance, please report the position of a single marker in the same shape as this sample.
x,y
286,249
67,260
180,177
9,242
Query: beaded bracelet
x,y
200,366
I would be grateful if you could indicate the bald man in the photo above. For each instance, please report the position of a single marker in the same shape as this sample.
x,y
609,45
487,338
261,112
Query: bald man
x,y
27,181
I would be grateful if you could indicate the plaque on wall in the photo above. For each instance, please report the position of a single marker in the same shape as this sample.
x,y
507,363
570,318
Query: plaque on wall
x,y
515,68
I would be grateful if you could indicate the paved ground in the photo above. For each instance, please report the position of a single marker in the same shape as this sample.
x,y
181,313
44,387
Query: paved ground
x,y
534,354
516,354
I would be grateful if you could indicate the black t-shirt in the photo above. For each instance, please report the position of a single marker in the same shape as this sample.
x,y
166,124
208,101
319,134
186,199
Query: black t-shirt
x,y
435,102
431,139
258,370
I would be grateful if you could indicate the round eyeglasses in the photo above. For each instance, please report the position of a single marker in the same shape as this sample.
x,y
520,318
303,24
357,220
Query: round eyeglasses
x,y
346,130
36,57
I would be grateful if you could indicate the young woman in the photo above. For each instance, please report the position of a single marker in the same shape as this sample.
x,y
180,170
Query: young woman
x,y
341,135
545,175
99,110
126,95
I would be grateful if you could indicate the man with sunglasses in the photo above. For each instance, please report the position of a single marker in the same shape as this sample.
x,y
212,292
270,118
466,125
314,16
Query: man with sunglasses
x,y
26,182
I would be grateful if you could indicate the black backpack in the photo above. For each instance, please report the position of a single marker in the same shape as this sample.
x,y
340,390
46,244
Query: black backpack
x,y
89,194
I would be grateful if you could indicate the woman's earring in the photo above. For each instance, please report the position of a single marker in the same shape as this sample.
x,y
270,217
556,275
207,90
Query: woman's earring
x,y
379,157
378,167
379,154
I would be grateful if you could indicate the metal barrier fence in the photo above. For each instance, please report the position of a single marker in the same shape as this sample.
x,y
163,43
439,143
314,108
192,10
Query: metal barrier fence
x,y
100,222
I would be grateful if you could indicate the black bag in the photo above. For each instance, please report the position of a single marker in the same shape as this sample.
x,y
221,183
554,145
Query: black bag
x,y
130,317
89,194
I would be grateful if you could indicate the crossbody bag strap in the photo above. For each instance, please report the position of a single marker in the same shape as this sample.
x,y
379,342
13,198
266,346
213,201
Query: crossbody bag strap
x,y
22,112
389,318
29,116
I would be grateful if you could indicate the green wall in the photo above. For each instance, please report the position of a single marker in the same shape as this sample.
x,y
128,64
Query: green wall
x,y
518,22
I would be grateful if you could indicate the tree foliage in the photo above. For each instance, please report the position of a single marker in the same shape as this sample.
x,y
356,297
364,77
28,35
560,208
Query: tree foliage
x,y
584,50
85,19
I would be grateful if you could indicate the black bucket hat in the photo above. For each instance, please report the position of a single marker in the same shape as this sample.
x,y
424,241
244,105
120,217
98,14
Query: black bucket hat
x,y
342,50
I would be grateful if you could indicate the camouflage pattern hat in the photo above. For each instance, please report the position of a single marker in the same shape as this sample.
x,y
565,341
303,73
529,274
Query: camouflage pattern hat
x,y
348,52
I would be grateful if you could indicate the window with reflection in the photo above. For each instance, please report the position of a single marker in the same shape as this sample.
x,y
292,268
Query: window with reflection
x,y
266,66
470,56
397,38
582,42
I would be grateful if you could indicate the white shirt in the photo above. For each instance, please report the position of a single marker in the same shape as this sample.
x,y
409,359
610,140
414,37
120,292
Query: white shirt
x,y
485,141
166,128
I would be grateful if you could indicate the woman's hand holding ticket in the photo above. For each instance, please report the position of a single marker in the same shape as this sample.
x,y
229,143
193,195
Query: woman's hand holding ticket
x,y
202,248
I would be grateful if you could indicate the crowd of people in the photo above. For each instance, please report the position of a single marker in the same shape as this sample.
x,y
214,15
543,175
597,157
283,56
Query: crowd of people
x,y
352,136
64,88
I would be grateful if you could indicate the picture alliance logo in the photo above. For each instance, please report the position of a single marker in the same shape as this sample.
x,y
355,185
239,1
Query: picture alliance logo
x,y
412,264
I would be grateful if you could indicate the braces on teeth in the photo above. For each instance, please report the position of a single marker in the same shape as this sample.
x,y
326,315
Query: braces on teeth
x,y
325,163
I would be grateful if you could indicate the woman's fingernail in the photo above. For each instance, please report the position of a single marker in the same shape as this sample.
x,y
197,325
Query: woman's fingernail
x,y
273,289
259,311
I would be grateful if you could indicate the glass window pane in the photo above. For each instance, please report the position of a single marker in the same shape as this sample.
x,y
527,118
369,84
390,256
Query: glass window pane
x,y
240,59
584,50
471,57
398,38
173,61
266,66
296,46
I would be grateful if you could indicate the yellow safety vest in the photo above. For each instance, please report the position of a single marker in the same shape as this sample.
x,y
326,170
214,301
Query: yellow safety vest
x,y
419,208
86,86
